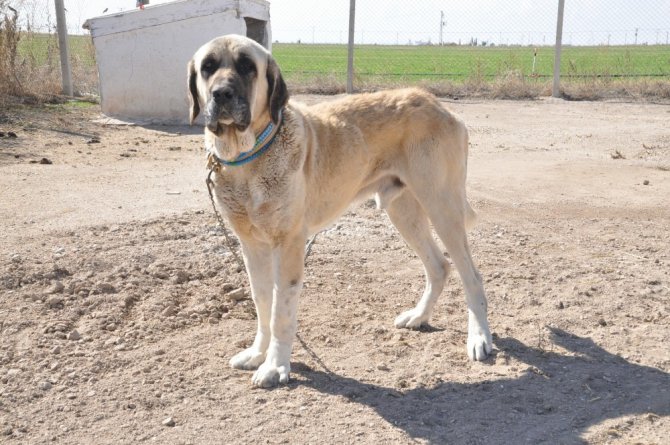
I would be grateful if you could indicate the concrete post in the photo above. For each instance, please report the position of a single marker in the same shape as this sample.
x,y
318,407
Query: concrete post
x,y
350,58
64,49
556,90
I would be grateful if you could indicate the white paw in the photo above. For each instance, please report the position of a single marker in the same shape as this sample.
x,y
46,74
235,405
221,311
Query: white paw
x,y
248,359
269,375
412,319
479,345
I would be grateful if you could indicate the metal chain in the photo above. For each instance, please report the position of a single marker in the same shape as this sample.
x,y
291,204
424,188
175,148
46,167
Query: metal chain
x,y
229,242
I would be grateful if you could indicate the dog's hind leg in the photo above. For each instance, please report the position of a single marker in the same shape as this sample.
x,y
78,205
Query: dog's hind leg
x,y
411,221
448,215
258,261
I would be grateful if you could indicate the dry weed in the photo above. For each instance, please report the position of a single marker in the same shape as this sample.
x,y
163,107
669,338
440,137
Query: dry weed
x,y
9,41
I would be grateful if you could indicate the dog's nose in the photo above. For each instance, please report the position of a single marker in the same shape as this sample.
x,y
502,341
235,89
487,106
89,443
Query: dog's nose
x,y
222,94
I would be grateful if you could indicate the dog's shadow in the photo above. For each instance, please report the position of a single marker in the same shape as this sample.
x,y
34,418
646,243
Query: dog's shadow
x,y
556,400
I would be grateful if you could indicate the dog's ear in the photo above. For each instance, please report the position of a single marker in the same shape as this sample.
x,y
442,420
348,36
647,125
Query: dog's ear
x,y
277,91
193,91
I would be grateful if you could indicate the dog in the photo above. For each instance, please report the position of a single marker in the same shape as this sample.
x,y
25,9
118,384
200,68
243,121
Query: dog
x,y
284,171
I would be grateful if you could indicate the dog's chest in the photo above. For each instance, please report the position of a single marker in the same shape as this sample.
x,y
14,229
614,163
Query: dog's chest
x,y
255,207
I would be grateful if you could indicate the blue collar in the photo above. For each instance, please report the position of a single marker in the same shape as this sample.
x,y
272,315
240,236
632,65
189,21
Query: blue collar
x,y
263,142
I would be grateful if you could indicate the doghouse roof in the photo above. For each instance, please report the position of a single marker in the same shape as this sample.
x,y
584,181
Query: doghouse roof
x,y
174,12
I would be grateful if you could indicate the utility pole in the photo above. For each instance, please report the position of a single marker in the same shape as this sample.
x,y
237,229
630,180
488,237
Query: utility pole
x,y
443,23
556,90
64,49
636,31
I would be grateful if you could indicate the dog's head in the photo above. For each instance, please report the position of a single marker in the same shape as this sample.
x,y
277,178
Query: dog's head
x,y
237,85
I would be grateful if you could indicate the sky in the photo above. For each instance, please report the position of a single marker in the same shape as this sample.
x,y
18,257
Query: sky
x,y
587,22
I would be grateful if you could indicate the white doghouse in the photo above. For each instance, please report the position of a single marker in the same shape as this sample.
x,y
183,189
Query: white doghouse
x,y
142,54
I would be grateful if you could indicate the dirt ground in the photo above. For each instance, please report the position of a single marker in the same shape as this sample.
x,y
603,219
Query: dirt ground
x,y
117,320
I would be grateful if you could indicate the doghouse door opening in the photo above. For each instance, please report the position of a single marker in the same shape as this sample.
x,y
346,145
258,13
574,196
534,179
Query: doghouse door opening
x,y
256,30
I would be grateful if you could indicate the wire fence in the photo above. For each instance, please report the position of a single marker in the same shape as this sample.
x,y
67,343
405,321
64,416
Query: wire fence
x,y
477,44
29,52
500,48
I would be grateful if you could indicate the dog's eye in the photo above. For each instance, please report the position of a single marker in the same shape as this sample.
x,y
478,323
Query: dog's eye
x,y
245,65
208,66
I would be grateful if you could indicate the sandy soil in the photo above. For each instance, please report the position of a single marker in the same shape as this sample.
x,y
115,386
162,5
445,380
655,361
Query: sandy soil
x,y
117,323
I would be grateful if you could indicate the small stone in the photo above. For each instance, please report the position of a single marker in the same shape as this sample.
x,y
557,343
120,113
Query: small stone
x,y
602,322
169,311
160,274
56,288
56,350
645,182
105,288
560,305
227,287
7,431
54,302
180,277
12,135
45,161
45,386
74,335
168,422
129,301
237,294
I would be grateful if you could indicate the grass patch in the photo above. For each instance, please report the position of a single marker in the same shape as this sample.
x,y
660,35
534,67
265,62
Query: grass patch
x,y
497,72
30,62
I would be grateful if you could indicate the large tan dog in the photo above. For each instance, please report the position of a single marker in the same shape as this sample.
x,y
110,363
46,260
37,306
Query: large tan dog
x,y
308,166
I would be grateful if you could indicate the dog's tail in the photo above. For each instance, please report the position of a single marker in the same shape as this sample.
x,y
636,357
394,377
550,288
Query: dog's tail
x,y
470,216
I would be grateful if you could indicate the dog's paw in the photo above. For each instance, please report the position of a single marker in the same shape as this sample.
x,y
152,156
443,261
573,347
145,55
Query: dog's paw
x,y
248,359
269,375
480,345
412,319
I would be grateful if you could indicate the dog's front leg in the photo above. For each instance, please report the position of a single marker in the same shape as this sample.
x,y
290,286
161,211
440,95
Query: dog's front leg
x,y
288,264
258,261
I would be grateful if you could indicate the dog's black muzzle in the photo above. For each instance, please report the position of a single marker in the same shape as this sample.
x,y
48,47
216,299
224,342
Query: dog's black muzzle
x,y
225,105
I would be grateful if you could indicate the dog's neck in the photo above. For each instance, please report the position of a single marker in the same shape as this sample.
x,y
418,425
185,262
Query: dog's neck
x,y
233,147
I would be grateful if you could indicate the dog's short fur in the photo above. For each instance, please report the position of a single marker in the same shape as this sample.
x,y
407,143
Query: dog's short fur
x,y
401,146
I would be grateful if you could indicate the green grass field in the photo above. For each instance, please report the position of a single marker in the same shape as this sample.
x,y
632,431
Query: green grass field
x,y
457,63
425,62
322,68
42,49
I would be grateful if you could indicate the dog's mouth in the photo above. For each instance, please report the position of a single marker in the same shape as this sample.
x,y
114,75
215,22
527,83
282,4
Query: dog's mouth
x,y
218,119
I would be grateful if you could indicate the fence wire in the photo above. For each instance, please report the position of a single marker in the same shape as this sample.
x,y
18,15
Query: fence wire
x,y
459,41
455,45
